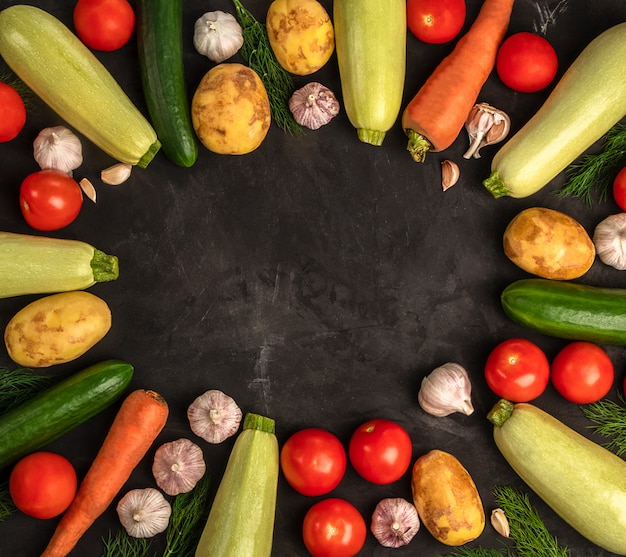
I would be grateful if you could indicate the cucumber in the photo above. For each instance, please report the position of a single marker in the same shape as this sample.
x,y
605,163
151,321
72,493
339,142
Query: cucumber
x,y
68,77
61,408
370,42
241,520
40,265
160,48
568,310
586,102
584,483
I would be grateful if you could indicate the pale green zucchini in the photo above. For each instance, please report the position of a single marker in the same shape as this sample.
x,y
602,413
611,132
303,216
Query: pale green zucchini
x,y
586,102
68,77
40,265
370,41
584,483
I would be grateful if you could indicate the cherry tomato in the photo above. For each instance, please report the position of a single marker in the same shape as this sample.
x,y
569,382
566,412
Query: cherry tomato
x,y
518,370
619,189
12,113
435,21
526,62
42,484
313,461
334,528
380,451
104,24
50,199
582,372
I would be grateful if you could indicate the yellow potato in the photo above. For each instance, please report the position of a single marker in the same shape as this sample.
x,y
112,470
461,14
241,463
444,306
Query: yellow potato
x,y
56,329
301,35
230,110
548,244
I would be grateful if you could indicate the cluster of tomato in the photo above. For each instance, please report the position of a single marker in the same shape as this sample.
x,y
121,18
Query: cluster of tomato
x,y
314,462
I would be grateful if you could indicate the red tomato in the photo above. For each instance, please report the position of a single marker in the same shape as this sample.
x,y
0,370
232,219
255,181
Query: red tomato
x,y
435,21
50,199
380,451
104,24
526,62
334,528
517,370
582,372
619,189
42,484
313,461
12,113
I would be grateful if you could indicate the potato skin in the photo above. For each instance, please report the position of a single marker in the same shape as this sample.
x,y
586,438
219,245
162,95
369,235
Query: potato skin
x,y
446,498
230,110
549,244
56,329
301,35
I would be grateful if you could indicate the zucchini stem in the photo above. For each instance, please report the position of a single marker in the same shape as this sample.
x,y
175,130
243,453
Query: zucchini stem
x,y
495,185
501,412
373,137
105,267
261,423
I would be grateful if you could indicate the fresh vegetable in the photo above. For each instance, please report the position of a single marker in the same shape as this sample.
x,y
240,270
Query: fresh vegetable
x,y
313,105
50,200
334,527
619,189
435,21
59,68
450,174
214,416
485,125
139,420
370,42
500,522
582,372
40,265
217,35
313,461
436,114
446,498
608,239
56,329
178,465
60,408
12,113
105,25
160,50
526,62
447,389
581,481
144,513
517,369
58,148
609,420
394,522
301,35
568,310
581,108
43,484
19,384
380,451
241,520
549,244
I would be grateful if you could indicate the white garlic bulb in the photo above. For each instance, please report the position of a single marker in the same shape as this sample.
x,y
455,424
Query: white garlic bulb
x,y
609,239
217,35
58,148
313,105
144,512
214,416
446,390
178,466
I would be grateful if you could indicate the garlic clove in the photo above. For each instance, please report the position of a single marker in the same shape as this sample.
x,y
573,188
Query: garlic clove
x,y
217,35
394,522
116,174
144,513
88,189
446,390
58,148
178,466
609,239
214,416
450,174
313,105
485,125
500,522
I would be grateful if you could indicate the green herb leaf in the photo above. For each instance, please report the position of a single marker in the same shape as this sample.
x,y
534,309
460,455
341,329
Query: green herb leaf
x,y
7,508
123,545
18,385
609,419
475,552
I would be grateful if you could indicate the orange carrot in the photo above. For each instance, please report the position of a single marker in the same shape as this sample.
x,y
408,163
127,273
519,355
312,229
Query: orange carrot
x,y
139,420
435,116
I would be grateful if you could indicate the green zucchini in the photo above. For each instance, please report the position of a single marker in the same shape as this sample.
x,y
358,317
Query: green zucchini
x,y
160,47
241,520
370,41
584,483
568,310
40,265
60,408
68,77
586,102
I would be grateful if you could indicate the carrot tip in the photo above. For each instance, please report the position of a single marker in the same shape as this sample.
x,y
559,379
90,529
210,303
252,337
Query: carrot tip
x,y
418,145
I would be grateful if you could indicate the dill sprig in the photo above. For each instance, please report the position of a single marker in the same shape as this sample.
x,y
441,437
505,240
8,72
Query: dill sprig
x,y
18,385
123,545
597,171
475,552
609,419
528,532
258,53
7,508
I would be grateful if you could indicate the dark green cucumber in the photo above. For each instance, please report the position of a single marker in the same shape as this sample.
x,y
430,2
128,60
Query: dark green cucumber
x,y
60,408
160,46
568,310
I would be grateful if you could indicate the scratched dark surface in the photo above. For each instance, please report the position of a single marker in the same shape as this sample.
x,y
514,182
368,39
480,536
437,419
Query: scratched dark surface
x,y
315,280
